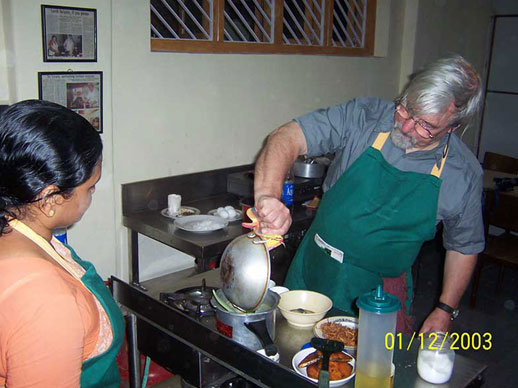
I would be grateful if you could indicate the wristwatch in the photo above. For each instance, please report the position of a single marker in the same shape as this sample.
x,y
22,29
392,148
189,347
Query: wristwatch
x,y
453,312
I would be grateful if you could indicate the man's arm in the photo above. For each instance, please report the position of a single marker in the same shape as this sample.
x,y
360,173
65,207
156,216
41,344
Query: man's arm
x,y
458,269
282,148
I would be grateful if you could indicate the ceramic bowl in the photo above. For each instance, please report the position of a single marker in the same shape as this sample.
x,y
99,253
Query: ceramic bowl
x,y
298,357
303,308
346,321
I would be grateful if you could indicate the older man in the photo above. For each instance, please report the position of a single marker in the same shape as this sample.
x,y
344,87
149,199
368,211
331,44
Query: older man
x,y
399,170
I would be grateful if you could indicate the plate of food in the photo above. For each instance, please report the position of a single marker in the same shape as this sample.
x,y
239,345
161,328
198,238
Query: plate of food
x,y
340,328
184,211
200,223
228,213
308,363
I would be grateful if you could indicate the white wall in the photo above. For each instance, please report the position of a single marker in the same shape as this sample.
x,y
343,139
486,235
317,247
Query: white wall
x,y
175,113
94,237
464,29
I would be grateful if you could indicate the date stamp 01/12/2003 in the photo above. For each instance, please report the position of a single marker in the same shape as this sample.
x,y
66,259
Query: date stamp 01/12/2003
x,y
453,341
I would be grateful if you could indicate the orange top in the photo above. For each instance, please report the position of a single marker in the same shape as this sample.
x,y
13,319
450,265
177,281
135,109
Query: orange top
x,y
49,324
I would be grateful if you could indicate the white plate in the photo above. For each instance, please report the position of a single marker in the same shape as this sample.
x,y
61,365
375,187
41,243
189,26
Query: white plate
x,y
201,223
184,212
298,357
350,322
239,215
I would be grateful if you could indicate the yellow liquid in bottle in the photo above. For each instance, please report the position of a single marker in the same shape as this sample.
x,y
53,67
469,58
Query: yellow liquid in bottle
x,y
363,380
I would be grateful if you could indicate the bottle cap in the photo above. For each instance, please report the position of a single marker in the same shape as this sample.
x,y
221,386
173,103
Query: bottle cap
x,y
378,301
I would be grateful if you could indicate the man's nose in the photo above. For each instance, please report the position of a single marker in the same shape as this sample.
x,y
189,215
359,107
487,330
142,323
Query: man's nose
x,y
408,126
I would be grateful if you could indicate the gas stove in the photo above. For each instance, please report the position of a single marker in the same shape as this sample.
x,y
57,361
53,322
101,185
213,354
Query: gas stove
x,y
194,301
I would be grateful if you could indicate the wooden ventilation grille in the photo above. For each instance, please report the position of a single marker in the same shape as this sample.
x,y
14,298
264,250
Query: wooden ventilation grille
x,y
248,21
182,19
303,22
326,27
349,21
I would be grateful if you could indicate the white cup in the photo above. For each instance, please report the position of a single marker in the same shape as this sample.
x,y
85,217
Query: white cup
x,y
174,203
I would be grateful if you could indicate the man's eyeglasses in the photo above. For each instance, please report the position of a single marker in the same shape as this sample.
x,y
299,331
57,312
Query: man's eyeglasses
x,y
422,127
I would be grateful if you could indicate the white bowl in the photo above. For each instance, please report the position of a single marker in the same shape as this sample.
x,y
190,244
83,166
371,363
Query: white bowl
x,y
318,305
279,289
350,322
298,357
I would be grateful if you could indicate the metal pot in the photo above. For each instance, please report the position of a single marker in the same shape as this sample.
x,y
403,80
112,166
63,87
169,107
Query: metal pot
x,y
253,330
308,168
245,271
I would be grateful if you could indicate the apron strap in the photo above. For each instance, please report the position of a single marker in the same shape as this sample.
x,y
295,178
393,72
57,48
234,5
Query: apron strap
x,y
380,140
43,244
436,171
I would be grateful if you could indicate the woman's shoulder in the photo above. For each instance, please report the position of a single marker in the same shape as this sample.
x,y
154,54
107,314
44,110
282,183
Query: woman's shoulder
x,y
31,275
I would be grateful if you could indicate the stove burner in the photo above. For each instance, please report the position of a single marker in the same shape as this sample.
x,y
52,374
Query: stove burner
x,y
192,300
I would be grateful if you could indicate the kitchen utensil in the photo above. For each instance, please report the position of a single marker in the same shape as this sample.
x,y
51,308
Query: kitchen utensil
x,y
303,308
237,217
184,212
254,330
200,223
174,202
326,347
308,168
436,357
245,271
378,311
299,356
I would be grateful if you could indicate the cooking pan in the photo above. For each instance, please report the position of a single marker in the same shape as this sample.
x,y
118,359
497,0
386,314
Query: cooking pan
x,y
245,271
309,168
254,330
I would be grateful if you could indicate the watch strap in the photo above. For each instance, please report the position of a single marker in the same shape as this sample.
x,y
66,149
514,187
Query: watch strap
x,y
450,310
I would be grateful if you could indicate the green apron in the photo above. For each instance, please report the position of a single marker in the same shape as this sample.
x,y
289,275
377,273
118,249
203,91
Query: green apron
x,y
100,371
378,216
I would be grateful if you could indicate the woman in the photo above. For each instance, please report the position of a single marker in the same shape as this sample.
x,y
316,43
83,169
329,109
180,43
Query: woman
x,y
53,46
59,325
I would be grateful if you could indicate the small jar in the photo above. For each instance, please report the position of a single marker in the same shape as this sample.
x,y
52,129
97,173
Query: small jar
x,y
435,358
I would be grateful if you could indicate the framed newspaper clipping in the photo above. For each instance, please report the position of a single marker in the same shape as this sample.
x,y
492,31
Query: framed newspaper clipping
x,y
81,92
69,34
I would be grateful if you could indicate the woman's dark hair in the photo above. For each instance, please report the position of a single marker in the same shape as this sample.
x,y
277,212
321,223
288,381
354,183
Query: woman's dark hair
x,y
42,144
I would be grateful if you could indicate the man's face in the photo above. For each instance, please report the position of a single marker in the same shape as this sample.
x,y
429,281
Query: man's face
x,y
407,136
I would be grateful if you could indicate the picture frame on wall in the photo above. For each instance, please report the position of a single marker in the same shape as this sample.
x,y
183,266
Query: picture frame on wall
x,y
81,92
69,34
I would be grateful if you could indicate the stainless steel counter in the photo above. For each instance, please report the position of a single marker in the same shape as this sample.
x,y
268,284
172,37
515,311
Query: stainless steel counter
x,y
289,340
143,201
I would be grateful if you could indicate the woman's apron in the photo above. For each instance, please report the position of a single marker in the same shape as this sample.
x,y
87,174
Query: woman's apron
x,y
100,371
369,226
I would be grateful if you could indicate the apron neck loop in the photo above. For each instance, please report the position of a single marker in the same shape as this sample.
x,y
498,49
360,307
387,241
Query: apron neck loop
x,y
43,244
436,171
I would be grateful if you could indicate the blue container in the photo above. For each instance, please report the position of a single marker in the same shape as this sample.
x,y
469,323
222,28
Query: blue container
x,y
61,235
287,193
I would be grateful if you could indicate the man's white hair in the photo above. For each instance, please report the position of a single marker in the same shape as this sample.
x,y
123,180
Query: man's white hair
x,y
447,80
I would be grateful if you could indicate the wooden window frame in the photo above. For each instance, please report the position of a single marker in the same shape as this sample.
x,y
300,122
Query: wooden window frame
x,y
220,46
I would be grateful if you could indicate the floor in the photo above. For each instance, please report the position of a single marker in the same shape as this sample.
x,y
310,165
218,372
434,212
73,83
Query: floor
x,y
495,313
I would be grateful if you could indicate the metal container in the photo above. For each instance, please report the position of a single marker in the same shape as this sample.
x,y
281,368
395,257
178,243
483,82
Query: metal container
x,y
245,271
308,168
253,330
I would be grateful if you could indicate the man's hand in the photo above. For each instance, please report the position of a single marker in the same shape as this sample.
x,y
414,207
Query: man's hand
x,y
438,320
274,217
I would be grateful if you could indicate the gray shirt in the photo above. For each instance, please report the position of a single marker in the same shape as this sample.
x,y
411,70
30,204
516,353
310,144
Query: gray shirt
x,y
349,129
